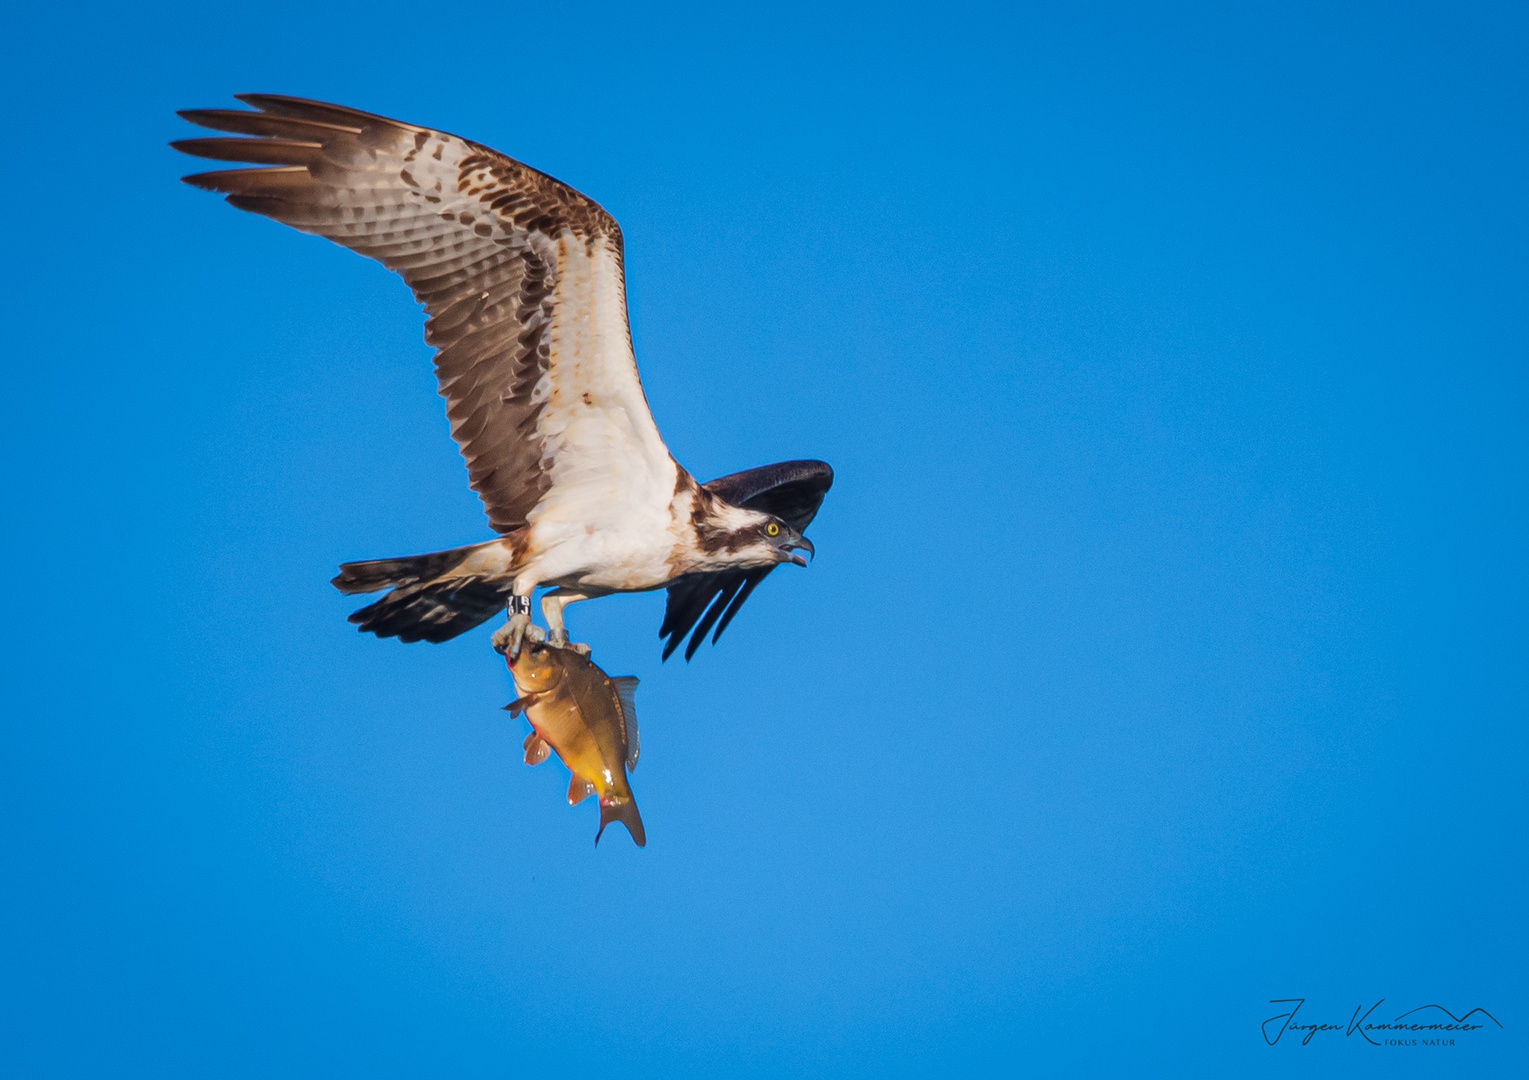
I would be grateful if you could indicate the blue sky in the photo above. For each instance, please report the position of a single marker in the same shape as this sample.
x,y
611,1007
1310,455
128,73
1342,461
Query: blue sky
x,y
1164,653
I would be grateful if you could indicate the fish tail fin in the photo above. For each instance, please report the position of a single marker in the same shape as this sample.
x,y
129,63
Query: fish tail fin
x,y
624,811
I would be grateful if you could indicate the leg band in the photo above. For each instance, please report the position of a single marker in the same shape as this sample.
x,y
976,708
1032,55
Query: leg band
x,y
518,605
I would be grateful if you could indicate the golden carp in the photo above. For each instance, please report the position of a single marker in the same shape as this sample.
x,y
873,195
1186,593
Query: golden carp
x,y
590,719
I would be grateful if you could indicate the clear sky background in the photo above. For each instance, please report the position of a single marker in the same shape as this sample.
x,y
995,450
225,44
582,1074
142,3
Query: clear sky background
x,y
1165,650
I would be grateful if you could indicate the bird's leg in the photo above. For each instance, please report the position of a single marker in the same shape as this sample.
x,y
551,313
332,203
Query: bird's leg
x,y
553,604
509,638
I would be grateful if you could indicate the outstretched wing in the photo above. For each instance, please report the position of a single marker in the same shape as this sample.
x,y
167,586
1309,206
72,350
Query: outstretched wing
x,y
521,277
792,491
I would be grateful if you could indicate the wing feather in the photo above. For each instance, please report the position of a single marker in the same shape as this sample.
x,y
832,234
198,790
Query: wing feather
x,y
521,277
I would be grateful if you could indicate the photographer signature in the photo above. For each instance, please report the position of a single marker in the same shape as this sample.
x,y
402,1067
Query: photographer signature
x,y
1431,1024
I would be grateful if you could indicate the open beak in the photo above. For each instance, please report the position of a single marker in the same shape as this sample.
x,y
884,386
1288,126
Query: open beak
x,y
799,542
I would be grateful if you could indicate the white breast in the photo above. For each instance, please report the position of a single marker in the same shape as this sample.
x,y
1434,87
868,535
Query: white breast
x,y
605,522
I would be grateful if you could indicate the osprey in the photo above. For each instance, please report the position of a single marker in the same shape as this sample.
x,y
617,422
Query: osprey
x,y
522,279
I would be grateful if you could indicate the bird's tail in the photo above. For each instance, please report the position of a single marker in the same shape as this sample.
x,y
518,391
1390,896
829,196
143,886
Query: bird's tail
x,y
427,602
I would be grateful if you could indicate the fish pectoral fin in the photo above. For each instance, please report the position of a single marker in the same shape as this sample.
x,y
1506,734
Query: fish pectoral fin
x,y
626,695
579,790
518,706
536,749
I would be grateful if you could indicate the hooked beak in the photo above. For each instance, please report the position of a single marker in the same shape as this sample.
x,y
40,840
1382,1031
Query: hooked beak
x,y
799,542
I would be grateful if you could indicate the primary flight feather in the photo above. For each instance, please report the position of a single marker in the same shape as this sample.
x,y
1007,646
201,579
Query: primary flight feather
x,y
522,279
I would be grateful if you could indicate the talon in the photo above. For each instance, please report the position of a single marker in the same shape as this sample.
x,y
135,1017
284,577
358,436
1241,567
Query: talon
x,y
509,637
558,639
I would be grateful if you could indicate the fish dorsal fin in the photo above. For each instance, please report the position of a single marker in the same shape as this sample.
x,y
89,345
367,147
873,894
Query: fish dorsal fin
x,y
579,790
536,749
626,694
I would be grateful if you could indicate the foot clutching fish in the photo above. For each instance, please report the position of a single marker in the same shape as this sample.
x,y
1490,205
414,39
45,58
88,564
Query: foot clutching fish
x,y
590,719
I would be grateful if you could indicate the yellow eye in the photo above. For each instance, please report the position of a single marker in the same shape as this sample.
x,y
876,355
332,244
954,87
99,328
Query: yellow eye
x,y
772,529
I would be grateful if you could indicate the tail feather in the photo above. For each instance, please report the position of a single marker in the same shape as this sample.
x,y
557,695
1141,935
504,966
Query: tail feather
x,y
374,574
423,604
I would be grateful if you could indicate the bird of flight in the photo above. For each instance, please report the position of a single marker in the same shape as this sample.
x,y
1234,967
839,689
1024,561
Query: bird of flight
x,y
522,279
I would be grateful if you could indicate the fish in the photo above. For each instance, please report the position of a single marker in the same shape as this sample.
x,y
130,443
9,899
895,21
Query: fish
x,y
590,719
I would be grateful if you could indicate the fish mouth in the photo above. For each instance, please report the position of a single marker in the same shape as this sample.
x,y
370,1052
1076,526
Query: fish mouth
x,y
789,555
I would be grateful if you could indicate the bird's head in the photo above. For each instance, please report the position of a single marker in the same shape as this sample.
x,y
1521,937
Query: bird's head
x,y
779,542
734,536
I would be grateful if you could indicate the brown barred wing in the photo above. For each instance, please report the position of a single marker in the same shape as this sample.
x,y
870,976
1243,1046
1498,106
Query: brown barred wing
x,y
476,235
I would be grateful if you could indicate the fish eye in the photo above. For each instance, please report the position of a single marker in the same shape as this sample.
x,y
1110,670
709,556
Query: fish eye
x,y
772,529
